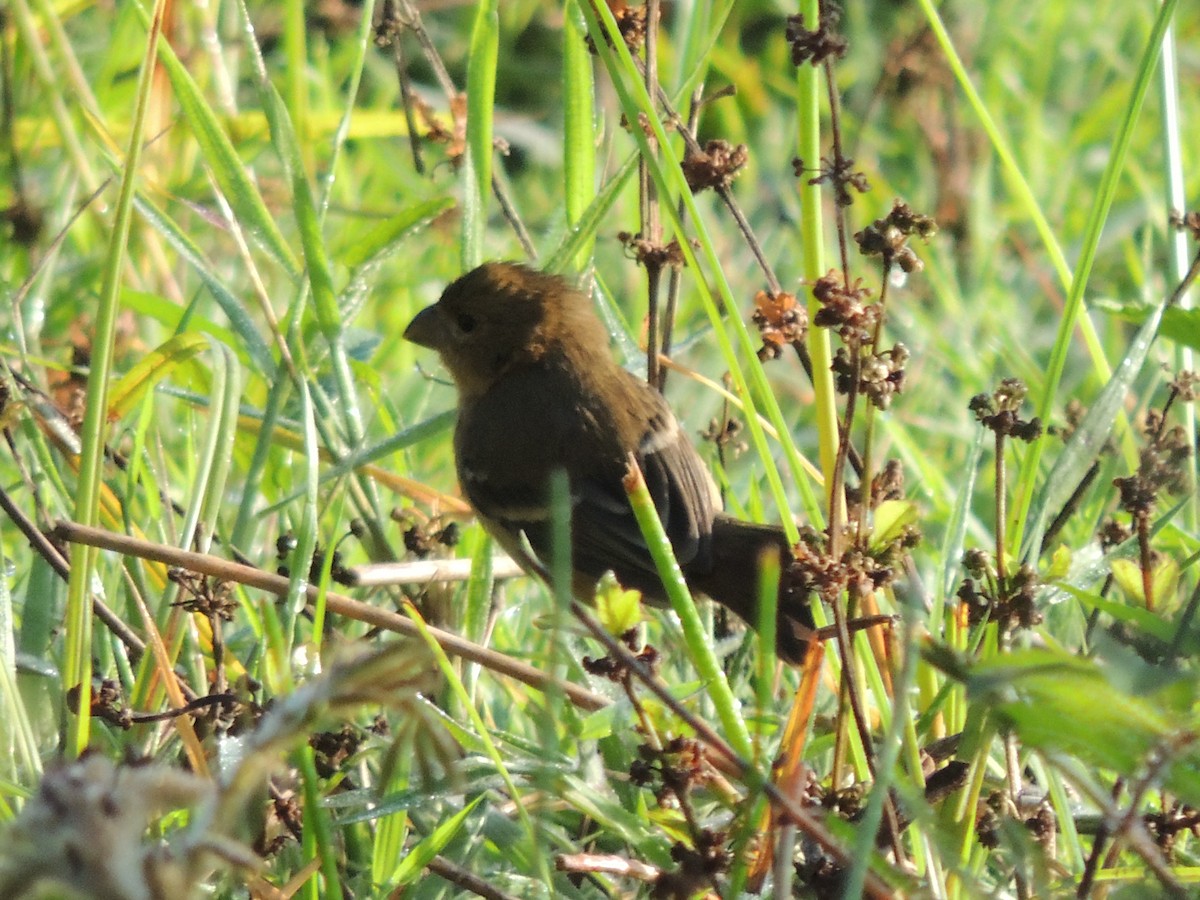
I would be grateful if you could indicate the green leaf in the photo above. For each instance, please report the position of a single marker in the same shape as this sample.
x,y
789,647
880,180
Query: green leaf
x,y
1060,563
1139,617
384,238
1164,579
1115,714
171,315
891,518
1179,325
619,610
227,168
151,369
423,853
477,161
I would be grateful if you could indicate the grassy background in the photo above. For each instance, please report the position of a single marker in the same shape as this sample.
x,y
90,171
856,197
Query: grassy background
x,y
231,247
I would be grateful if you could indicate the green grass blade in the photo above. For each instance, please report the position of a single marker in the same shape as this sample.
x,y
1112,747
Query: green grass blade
x,y
77,660
423,852
128,390
694,632
665,169
477,161
1089,436
1025,494
582,235
579,137
223,161
243,325
812,241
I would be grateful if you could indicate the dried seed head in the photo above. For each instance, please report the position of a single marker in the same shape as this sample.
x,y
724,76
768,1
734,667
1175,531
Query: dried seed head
x,y
715,166
780,320
814,47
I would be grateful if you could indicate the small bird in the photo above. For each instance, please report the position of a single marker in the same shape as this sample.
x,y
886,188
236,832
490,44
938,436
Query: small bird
x,y
538,390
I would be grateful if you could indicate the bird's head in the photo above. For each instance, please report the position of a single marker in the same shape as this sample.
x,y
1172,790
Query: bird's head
x,y
500,316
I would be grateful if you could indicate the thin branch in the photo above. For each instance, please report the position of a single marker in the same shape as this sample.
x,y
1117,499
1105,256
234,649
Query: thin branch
x,y
407,96
338,604
462,878
46,549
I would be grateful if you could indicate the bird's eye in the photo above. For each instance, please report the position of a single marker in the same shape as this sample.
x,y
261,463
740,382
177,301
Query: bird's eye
x,y
466,323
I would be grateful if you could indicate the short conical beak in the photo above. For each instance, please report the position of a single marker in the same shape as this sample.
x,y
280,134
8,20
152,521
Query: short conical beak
x,y
426,329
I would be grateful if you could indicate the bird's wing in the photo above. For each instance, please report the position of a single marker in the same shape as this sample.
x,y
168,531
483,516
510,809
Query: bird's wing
x,y
606,533
505,461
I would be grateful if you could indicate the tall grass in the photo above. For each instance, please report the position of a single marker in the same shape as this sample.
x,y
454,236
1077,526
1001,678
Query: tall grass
x,y
217,228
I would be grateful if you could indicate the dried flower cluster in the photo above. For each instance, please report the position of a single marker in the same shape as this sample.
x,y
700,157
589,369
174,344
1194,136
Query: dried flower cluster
x,y
997,412
780,321
820,44
651,253
1008,600
889,237
715,166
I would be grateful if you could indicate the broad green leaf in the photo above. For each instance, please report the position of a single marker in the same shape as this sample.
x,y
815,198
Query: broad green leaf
x,y
1116,714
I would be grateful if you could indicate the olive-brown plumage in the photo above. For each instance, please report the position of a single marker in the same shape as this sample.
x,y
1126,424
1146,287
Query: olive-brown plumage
x,y
538,390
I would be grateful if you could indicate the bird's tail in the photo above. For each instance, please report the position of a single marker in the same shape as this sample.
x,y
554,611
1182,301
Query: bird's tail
x,y
737,551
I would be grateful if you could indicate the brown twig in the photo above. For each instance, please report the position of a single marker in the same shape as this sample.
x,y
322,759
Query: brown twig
x,y
339,604
607,864
509,209
462,878
396,28
46,549
458,646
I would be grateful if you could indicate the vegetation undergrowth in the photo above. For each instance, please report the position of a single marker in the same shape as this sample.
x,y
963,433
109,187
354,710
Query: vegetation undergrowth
x,y
916,278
